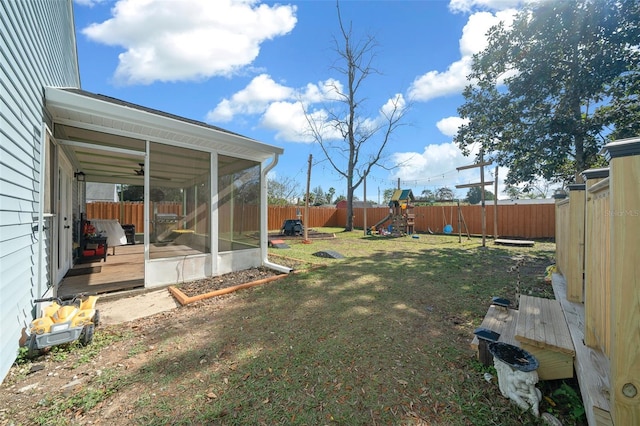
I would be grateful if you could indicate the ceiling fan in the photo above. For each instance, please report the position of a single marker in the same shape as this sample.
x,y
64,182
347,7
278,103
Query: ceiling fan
x,y
139,172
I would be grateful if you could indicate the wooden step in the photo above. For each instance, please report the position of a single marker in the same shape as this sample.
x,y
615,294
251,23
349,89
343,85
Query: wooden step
x,y
502,321
521,243
542,330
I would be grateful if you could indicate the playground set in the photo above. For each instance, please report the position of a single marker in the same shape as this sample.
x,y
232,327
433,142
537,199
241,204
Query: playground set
x,y
401,218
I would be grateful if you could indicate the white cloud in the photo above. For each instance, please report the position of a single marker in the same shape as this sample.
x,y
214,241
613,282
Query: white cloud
x,y
282,109
262,91
466,6
474,38
392,106
253,99
287,119
436,166
449,126
434,84
195,41
89,3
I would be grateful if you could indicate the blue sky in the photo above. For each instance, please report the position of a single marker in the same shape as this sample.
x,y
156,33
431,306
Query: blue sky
x,y
249,66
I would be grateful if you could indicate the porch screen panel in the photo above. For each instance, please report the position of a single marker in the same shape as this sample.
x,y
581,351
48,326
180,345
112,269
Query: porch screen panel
x,y
238,204
180,200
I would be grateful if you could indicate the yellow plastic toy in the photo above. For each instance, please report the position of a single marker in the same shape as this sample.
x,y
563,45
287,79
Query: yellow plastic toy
x,y
551,269
66,319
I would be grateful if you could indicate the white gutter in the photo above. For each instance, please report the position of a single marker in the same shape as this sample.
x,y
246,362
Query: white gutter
x,y
264,231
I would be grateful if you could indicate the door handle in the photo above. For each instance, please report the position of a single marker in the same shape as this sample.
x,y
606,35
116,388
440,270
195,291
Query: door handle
x,y
67,227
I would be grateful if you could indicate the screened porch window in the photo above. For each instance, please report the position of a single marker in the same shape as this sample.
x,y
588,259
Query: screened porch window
x,y
180,200
238,204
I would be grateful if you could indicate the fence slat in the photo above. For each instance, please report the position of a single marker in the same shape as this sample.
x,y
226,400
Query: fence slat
x,y
523,221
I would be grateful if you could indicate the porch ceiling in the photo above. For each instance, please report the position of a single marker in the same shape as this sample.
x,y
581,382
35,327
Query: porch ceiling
x,y
105,138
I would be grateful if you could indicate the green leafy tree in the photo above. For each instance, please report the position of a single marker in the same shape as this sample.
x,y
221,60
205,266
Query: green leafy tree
x,y
283,191
444,194
132,192
474,195
329,195
624,109
362,140
547,89
538,189
340,198
386,195
136,193
427,196
317,196
513,192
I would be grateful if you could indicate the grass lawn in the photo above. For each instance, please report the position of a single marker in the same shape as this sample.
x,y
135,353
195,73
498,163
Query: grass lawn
x,y
380,337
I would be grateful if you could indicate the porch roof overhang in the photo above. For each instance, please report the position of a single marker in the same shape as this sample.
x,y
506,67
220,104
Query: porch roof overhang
x,y
106,137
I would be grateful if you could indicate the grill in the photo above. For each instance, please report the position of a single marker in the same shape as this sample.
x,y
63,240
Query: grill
x,y
163,224
166,218
292,227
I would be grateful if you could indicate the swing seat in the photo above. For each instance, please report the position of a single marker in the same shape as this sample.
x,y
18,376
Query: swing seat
x,y
447,227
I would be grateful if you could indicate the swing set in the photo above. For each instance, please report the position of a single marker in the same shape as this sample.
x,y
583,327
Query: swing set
x,y
447,228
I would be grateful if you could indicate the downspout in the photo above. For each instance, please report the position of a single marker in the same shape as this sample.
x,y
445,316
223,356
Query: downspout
x,y
264,231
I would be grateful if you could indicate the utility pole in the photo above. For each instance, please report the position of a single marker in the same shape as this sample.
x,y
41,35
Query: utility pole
x,y
305,226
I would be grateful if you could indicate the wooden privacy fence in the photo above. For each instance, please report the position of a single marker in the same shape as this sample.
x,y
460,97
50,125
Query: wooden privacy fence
x,y
520,220
524,220
597,251
128,213
132,213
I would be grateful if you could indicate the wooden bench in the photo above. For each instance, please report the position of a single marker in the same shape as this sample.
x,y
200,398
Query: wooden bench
x,y
542,330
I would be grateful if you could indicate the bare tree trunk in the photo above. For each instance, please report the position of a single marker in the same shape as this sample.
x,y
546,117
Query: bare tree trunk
x,y
349,225
359,142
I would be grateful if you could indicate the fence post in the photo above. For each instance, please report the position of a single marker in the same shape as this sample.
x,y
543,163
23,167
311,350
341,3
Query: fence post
x,y
624,162
593,251
575,262
561,232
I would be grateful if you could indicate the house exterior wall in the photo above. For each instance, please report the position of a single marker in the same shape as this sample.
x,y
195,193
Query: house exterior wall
x,y
37,45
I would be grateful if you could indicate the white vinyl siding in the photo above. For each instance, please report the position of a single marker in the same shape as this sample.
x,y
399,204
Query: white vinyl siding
x,y
37,49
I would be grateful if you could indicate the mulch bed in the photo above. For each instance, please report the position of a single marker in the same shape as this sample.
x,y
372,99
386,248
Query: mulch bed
x,y
206,285
311,234
232,279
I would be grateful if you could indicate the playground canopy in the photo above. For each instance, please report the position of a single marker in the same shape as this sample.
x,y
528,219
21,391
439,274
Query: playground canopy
x,y
402,197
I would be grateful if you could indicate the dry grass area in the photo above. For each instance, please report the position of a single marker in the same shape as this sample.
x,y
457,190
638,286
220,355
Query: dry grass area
x,y
380,337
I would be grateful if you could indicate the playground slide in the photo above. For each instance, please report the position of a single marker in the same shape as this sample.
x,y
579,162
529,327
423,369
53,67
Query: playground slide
x,y
389,217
